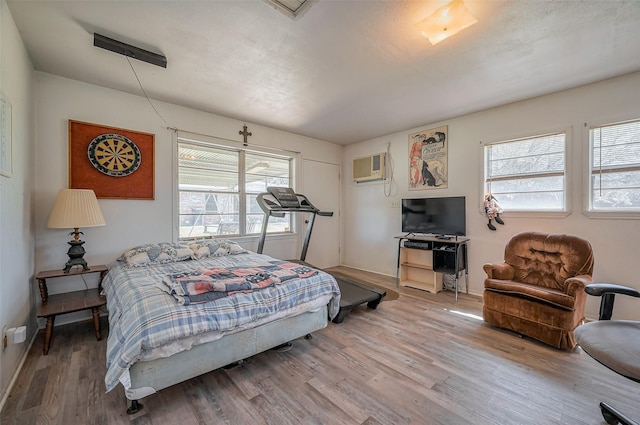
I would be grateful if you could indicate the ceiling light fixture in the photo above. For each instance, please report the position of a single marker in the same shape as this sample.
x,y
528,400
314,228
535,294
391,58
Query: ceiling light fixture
x,y
446,21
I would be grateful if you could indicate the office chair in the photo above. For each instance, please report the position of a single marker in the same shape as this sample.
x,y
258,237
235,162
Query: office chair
x,y
613,343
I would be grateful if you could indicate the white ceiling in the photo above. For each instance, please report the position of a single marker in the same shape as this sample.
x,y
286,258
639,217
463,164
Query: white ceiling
x,y
343,71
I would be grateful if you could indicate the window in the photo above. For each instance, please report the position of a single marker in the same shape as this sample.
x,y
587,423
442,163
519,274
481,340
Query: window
x,y
614,167
527,174
218,186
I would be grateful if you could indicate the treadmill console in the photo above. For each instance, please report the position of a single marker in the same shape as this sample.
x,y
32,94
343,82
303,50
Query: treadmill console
x,y
285,196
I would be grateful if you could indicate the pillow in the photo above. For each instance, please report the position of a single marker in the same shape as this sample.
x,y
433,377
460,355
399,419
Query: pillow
x,y
156,253
214,248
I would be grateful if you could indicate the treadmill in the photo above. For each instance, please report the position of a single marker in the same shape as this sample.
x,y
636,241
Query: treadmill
x,y
279,200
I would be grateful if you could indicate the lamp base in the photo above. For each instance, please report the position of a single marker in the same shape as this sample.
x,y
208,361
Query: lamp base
x,y
76,253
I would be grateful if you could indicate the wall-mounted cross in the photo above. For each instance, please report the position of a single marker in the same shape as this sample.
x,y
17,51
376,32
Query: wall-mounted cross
x,y
245,134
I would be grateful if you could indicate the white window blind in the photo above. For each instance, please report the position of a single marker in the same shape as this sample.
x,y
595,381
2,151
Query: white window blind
x,y
527,174
614,183
217,189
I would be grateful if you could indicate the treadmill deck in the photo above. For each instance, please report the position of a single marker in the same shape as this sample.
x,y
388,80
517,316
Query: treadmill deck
x,y
354,293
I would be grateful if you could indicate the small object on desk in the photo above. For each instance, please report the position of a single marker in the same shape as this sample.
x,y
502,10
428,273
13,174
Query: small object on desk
x,y
70,302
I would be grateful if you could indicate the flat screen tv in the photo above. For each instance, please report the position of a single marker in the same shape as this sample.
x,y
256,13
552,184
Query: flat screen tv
x,y
436,216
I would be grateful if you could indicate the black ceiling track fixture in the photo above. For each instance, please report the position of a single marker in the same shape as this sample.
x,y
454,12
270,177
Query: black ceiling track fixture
x,y
129,50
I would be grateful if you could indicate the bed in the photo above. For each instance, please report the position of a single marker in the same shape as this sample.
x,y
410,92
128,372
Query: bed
x,y
177,311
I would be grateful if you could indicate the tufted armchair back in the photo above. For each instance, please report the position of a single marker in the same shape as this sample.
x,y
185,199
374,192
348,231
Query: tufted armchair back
x,y
548,260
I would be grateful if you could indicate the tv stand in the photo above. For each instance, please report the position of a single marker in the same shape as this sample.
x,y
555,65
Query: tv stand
x,y
422,260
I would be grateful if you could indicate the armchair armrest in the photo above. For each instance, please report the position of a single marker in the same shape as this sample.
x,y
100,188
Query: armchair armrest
x,y
502,271
608,293
599,289
576,284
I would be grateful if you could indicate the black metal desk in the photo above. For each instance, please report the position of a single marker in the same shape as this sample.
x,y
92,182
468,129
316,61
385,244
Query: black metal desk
x,y
449,255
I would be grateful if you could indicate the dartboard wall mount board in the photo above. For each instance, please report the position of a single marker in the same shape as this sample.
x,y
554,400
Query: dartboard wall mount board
x,y
114,162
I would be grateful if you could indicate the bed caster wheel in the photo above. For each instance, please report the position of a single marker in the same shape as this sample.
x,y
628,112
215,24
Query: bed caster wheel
x,y
135,407
308,337
283,347
234,364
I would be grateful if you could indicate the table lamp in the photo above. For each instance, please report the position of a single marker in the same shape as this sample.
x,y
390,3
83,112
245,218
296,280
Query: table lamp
x,y
75,208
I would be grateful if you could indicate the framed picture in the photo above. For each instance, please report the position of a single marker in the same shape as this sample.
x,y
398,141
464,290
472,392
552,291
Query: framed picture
x,y
428,152
6,166
113,162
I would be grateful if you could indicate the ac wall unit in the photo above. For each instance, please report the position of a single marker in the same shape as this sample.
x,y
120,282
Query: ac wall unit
x,y
370,167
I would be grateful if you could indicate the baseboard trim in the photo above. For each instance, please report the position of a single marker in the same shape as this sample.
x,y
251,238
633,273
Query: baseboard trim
x,y
475,294
365,270
17,372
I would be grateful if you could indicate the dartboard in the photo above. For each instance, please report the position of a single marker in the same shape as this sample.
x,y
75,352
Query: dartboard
x,y
114,155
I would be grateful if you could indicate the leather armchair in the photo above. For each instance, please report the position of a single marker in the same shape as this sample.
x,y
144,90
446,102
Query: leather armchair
x,y
538,290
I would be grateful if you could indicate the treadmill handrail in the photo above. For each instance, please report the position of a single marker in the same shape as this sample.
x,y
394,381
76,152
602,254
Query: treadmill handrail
x,y
301,209
268,203
272,208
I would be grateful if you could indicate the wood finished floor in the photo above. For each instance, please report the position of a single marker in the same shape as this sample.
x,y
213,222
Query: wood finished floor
x,y
421,359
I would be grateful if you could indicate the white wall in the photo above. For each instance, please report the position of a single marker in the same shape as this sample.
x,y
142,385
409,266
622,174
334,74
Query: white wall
x,y
16,200
132,222
371,222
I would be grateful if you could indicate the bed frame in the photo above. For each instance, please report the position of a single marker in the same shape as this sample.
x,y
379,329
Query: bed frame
x,y
148,377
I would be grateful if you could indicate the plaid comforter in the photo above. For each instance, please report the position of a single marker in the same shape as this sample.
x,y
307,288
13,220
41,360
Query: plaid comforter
x,y
143,316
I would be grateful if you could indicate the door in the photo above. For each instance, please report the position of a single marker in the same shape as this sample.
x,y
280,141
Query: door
x,y
321,184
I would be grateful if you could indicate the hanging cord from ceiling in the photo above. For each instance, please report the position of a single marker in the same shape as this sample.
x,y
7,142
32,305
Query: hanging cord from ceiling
x,y
143,91
177,130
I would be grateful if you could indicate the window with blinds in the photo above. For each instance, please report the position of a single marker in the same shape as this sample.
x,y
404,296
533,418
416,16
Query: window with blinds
x,y
614,175
218,186
527,174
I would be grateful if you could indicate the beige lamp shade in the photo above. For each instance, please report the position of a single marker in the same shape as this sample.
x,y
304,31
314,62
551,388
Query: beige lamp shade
x,y
446,21
75,208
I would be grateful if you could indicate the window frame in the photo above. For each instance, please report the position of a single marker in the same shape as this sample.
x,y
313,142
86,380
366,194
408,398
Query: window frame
x,y
567,131
587,209
242,193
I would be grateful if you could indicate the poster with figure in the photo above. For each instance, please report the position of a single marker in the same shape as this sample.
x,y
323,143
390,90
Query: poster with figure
x,y
428,159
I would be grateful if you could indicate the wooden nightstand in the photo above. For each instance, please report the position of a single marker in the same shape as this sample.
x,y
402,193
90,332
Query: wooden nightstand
x,y
71,301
